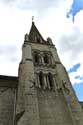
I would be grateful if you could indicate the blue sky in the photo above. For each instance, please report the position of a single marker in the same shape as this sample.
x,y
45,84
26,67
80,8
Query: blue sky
x,y
79,90
74,68
62,20
76,7
78,87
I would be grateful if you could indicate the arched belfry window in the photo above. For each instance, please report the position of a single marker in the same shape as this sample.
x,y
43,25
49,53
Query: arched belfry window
x,y
36,58
41,79
46,59
50,78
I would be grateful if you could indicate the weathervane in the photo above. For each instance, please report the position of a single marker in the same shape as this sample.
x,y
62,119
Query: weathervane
x,y
32,18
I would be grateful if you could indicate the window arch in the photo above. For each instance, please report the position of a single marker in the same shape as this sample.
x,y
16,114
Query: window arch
x,y
41,79
36,58
50,78
46,59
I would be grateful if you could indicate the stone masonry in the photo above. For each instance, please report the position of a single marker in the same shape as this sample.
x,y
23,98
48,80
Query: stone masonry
x,y
42,93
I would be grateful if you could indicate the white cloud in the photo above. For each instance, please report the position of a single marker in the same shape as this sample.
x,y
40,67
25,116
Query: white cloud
x,y
32,4
7,1
13,26
73,48
79,20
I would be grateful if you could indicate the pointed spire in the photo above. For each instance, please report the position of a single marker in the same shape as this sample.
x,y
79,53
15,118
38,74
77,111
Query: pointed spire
x,y
34,34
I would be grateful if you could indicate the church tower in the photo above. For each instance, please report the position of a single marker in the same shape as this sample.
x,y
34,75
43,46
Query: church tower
x,y
45,95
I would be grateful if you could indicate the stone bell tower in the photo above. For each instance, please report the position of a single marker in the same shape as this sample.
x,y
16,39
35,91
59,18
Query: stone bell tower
x,y
45,95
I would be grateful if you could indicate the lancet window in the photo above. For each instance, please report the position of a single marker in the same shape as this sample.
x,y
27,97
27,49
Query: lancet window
x,y
42,58
50,78
46,59
41,79
36,58
45,80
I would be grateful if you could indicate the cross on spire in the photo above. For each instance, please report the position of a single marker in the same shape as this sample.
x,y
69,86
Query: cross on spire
x,y
32,18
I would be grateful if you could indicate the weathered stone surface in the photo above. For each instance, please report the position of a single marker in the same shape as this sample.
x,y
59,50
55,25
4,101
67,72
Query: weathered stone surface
x,y
44,95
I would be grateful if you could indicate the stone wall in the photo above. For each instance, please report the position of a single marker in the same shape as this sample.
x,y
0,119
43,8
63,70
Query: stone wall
x,y
53,109
7,100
